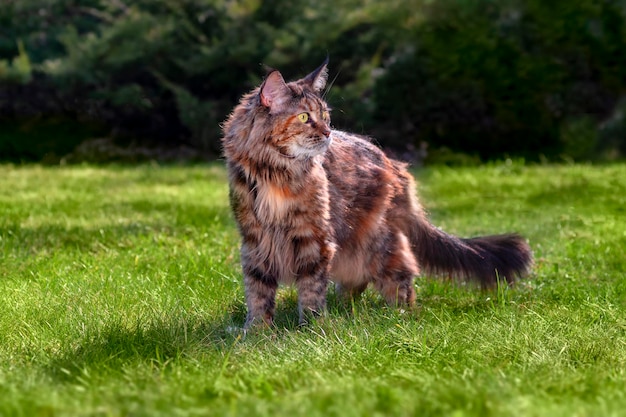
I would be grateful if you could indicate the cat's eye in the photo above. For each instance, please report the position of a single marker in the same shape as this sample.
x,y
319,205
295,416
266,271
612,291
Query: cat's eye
x,y
303,117
325,116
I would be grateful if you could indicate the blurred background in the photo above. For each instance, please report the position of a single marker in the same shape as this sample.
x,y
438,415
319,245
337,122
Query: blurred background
x,y
434,81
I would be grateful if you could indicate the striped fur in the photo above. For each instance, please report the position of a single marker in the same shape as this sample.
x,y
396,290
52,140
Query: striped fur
x,y
314,205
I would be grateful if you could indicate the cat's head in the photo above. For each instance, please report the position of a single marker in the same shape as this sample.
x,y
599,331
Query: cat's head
x,y
300,118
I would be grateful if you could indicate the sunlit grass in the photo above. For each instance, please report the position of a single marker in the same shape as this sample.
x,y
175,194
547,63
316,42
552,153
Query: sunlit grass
x,y
120,294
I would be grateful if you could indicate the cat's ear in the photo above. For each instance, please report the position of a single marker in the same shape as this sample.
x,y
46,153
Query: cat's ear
x,y
317,79
274,90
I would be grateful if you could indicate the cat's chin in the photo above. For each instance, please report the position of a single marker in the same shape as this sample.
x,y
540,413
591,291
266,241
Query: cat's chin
x,y
311,150
308,153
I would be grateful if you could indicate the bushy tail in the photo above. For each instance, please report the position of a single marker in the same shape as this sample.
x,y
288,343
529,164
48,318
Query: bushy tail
x,y
485,259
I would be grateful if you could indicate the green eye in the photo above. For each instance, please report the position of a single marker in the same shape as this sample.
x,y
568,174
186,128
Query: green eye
x,y
303,117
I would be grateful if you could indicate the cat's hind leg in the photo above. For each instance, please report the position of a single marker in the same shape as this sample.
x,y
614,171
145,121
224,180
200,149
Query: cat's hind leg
x,y
397,289
395,271
349,292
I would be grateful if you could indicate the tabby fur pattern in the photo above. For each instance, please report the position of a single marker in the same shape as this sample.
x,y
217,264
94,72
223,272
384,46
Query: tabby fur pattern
x,y
314,204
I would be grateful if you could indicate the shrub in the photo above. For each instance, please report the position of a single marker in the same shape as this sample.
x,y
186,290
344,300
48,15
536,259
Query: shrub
x,y
516,78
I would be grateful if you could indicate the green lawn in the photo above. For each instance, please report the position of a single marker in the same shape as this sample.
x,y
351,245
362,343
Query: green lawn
x,y
120,295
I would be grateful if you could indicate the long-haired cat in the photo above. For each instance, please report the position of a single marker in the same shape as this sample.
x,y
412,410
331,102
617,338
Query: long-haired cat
x,y
315,205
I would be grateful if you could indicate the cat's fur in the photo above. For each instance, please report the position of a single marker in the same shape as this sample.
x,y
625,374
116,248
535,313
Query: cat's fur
x,y
314,204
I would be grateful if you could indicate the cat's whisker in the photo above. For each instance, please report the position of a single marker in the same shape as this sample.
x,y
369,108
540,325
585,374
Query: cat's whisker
x,y
330,85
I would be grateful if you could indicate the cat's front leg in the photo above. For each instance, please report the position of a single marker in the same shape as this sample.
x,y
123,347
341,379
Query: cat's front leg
x,y
260,290
313,260
311,296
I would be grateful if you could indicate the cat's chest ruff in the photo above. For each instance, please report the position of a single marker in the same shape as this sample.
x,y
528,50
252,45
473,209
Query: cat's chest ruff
x,y
273,202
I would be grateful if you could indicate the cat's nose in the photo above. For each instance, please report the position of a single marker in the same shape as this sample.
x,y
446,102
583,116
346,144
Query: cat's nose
x,y
326,131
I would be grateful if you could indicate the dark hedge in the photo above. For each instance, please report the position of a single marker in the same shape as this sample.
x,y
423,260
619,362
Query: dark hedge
x,y
490,79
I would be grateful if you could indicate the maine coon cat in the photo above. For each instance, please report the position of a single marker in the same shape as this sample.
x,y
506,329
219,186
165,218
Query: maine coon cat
x,y
314,205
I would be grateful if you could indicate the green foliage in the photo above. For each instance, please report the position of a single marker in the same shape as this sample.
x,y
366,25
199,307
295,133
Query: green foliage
x,y
24,141
121,294
505,77
612,134
19,69
494,79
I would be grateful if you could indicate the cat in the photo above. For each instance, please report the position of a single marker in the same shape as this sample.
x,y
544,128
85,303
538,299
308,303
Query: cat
x,y
315,205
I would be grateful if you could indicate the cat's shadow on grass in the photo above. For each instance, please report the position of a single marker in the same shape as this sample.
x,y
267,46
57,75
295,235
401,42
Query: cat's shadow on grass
x,y
117,345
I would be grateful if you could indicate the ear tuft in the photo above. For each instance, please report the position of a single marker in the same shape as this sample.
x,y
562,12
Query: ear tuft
x,y
273,90
317,79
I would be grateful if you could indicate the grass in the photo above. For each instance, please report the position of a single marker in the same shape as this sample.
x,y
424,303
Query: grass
x,y
120,295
